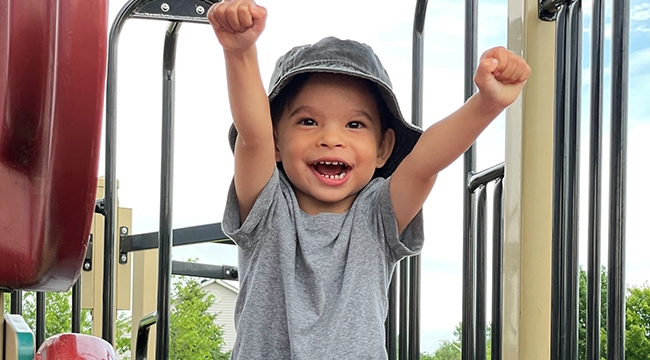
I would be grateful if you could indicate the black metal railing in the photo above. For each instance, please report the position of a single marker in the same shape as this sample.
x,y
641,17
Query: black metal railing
x,y
475,256
406,277
564,297
142,339
176,12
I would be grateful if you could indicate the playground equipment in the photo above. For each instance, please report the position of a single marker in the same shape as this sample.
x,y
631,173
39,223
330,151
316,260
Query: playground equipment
x,y
52,76
52,72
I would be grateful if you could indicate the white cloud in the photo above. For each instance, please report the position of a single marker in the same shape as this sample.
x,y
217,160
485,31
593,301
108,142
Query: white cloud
x,y
640,12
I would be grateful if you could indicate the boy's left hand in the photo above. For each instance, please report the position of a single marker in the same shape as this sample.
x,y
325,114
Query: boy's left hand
x,y
500,76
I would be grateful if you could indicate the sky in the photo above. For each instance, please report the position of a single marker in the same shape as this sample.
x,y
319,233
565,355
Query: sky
x,y
203,164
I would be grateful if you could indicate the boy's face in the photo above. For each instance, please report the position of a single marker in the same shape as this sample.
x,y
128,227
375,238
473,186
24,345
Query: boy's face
x,y
329,140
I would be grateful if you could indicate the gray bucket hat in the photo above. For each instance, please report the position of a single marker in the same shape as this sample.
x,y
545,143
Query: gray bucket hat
x,y
347,57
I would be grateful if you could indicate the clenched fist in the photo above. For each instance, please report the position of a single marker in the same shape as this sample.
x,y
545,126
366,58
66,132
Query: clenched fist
x,y
237,23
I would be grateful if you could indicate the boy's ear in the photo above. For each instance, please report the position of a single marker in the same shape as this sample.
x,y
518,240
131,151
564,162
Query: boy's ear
x,y
386,147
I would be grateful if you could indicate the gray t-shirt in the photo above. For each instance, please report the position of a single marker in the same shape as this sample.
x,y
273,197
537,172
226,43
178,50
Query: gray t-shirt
x,y
314,287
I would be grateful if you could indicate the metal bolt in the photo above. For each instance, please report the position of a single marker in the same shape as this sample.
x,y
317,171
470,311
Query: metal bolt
x,y
200,10
87,266
164,7
124,230
227,272
123,258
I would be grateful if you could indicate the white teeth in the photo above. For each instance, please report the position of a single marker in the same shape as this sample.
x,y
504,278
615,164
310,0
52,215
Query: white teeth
x,y
335,163
335,177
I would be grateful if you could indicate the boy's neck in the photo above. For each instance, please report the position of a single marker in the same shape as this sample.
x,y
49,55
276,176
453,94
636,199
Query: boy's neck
x,y
313,206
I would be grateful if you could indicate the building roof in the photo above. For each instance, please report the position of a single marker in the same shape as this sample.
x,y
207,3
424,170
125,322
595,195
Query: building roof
x,y
232,286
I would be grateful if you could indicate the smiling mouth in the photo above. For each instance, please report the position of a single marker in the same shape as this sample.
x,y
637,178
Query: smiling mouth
x,y
335,170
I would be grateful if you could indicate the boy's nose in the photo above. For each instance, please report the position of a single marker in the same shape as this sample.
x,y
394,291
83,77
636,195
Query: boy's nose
x,y
331,138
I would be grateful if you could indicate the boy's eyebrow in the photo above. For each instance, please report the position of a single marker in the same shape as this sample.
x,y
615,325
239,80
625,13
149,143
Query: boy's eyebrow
x,y
310,109
305,108
364,114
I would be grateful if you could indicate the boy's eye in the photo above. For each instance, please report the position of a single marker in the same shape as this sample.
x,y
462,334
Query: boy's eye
x,y
307,122
355,125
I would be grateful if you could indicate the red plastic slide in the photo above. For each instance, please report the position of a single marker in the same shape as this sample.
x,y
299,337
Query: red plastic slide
x,y
52,79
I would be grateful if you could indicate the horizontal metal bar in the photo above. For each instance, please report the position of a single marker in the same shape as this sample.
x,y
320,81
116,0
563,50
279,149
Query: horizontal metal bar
x,y
226,272
174,10
474,180
182,236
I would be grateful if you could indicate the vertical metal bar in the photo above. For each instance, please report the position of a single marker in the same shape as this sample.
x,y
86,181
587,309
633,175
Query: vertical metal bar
x,y
110,189
572,173
403,346
468,331
595,173
414,309
558,291
391,320
165,239
76,306
416,119
497,271
617,182
468,338
40,319
481,256
16,302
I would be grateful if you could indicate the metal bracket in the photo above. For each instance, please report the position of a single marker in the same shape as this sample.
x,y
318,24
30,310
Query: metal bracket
x,y
124,258
100,207
547,9
175,10
231,273
88,259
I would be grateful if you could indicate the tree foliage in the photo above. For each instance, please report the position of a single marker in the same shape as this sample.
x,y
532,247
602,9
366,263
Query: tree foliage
x,y
637,325
451,349
58,312
193,333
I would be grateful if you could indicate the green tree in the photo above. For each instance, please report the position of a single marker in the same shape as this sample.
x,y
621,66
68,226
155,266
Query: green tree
x,y
193,333
637,323
450,349
582,311
123,332
7,304
58,313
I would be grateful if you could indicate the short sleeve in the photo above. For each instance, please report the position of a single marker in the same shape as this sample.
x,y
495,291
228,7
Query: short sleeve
x,y
261,218
398,246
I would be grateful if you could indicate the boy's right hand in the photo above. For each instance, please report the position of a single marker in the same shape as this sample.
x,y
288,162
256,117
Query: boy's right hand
x,y
237,23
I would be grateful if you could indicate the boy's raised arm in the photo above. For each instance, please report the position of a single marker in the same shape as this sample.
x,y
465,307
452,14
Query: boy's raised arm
x,y
500,78
238,24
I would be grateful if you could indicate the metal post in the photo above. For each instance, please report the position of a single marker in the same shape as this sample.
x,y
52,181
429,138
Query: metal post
x,y
497,270
76,306
416,119
595,173
468,340
40,319
110,189
481,257
617,182
165,239
403,309
572,172
17,302
558,291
